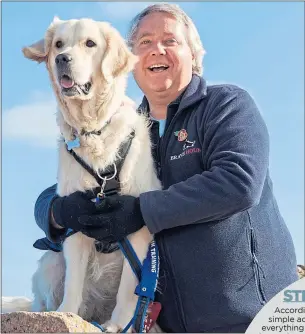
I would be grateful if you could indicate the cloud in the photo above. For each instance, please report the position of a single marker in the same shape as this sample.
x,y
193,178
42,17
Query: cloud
x,y
123,10
34,122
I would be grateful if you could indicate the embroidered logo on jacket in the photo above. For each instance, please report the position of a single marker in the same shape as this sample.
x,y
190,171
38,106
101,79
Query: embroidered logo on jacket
x,y
181,134
188,146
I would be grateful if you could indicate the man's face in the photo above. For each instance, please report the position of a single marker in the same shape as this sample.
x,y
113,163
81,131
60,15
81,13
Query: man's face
x,y
165,59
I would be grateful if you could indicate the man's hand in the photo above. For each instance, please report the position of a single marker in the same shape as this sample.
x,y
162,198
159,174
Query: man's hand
x,y
67,210
116,217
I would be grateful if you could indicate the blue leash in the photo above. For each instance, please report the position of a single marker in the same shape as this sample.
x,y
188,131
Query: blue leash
x,y
98,326
147,285
147,275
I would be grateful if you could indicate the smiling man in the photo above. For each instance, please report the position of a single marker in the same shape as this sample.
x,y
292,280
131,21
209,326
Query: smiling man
x,y
165,58
216,221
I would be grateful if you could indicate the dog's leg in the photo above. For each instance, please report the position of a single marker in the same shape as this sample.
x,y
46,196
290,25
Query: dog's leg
x,y
77,250
126,299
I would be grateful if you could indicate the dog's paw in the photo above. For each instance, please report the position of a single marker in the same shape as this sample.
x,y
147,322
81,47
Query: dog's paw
x,y
110,327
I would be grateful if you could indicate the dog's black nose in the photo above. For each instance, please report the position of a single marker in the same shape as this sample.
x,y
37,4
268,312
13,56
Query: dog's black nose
x,y
63,58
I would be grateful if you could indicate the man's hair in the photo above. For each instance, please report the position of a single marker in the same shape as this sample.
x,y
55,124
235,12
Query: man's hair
x,y
192,36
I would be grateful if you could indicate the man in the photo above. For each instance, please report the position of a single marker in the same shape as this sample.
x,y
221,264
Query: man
x,y
216,221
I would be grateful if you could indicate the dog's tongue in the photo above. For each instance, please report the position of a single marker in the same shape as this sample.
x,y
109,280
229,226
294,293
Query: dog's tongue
x,y
66,82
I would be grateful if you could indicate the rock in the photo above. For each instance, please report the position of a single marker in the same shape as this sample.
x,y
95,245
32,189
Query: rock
x,y
301,271
45,322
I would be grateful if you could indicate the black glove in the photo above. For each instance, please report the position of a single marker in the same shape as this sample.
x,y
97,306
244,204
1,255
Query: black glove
x,y
116,217
67,210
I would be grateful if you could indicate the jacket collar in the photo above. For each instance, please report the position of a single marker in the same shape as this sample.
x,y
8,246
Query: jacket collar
x,y
194,92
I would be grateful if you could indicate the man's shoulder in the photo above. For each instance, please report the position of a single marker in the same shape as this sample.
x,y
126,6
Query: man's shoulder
x,y
225,98
225,89
223,93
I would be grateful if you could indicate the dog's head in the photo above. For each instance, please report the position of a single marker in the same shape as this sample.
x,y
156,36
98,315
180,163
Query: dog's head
x,y
80,55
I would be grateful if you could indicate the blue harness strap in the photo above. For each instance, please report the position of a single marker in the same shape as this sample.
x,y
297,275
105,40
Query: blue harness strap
x,y
132,258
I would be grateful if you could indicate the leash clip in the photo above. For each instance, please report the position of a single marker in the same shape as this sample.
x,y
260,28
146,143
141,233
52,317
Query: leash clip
x,y
101,194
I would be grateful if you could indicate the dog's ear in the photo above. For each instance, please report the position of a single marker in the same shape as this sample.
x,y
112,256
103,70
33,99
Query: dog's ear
x,y
35,51
39,50
118,59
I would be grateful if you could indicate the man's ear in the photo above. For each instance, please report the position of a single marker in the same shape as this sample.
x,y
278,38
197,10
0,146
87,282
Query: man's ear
x,y
118,59
40,49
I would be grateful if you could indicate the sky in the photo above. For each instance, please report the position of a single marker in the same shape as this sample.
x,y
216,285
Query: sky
x,y
258,46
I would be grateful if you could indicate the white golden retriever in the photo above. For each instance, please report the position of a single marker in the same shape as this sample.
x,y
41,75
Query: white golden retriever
x,y
88,63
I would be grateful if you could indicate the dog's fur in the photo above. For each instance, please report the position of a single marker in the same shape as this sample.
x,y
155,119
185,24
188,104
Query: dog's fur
x,y
96,286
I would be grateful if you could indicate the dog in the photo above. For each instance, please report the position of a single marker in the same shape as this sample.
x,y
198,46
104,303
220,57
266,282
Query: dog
x,y
88,63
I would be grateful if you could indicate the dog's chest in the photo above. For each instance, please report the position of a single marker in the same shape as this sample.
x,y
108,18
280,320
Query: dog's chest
x,y
72,176
98,154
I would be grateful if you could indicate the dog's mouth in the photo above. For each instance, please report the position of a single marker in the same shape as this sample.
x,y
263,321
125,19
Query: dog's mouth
x,y
66,82
70,88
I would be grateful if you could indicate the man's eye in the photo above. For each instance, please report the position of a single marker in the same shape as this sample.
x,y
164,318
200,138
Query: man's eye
x,y
171,41
59,44
90,43
145,41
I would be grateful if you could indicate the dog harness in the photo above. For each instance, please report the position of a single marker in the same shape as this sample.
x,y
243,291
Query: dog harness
x,y
147,310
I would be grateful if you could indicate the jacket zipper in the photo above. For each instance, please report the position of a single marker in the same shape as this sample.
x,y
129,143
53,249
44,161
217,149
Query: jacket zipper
x,y
257,268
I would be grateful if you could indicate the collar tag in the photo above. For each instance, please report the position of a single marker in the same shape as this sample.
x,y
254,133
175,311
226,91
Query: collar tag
x,y
73,143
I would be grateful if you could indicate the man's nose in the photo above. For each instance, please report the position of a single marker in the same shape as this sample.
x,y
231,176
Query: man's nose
x,y
157,49
63,58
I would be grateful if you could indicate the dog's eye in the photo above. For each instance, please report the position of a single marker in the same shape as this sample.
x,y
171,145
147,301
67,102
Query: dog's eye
x,y
59,44
90,44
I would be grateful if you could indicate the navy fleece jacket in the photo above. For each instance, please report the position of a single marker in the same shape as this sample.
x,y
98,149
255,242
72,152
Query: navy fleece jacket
x,y
234,144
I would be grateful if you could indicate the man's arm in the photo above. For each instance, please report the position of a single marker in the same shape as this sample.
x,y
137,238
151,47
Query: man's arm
x,y
43,215
237,154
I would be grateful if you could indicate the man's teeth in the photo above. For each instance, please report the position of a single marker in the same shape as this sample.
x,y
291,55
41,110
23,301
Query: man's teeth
x,y
158,67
